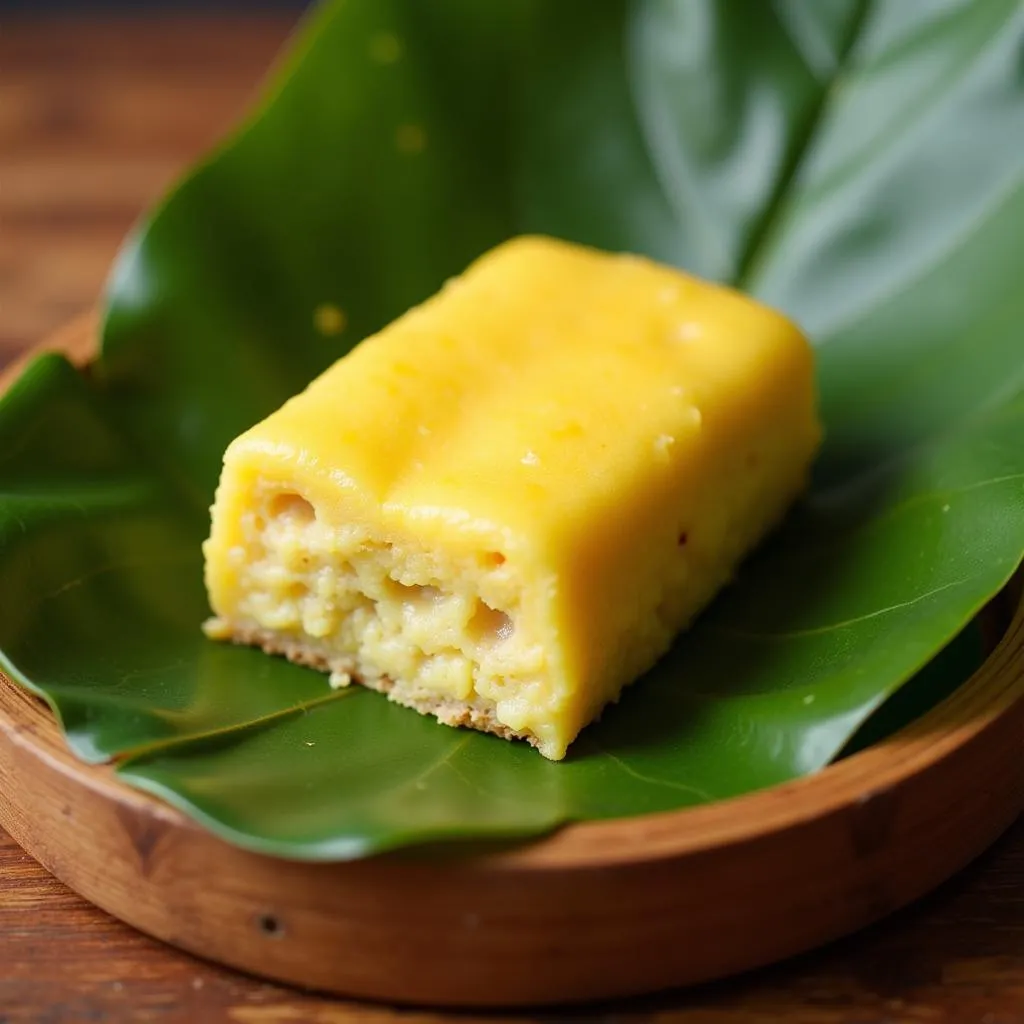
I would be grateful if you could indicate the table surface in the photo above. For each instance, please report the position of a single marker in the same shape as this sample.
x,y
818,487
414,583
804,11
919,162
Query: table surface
x,y
95,120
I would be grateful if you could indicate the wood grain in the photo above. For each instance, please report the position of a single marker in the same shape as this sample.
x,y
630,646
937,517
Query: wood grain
x,y
96,119
957,956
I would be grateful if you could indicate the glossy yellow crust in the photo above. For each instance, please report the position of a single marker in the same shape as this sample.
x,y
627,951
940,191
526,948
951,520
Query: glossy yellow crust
x,y
503,507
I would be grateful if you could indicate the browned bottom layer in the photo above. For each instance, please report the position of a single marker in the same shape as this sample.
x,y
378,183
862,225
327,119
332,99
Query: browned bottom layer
x,y
476,714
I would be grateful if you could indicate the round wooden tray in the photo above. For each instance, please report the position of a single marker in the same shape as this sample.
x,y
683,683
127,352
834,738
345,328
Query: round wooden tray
x,y
597,910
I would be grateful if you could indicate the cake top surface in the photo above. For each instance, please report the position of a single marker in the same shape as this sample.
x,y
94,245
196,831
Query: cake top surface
x,y
543,363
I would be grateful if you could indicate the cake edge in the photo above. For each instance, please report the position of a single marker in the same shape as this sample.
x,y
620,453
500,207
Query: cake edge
x,y
477,715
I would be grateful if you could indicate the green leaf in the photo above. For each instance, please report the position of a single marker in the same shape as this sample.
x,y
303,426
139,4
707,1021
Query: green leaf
x,y
855,163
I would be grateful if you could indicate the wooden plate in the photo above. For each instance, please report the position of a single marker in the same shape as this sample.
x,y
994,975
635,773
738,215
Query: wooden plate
x,y
597,910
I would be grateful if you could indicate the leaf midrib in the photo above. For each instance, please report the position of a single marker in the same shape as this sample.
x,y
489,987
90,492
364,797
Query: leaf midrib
x,y
131,757
798,155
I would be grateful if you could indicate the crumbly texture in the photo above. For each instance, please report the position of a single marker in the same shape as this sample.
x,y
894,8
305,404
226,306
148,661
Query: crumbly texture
x,y
439,631
477,714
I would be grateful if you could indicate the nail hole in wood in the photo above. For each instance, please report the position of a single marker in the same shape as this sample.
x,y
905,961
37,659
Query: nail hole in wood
x,y
270,926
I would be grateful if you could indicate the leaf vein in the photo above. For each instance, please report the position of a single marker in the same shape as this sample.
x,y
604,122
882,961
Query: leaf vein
x,y
791,170
794,634
681,787
179,558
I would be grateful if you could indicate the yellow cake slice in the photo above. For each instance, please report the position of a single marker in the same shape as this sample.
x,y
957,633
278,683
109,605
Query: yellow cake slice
x,y
502,508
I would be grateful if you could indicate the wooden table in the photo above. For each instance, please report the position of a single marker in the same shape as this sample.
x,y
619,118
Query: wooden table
x,y
95,119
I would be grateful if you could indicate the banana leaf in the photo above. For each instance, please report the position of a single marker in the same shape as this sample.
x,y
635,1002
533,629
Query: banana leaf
x,y
858,164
